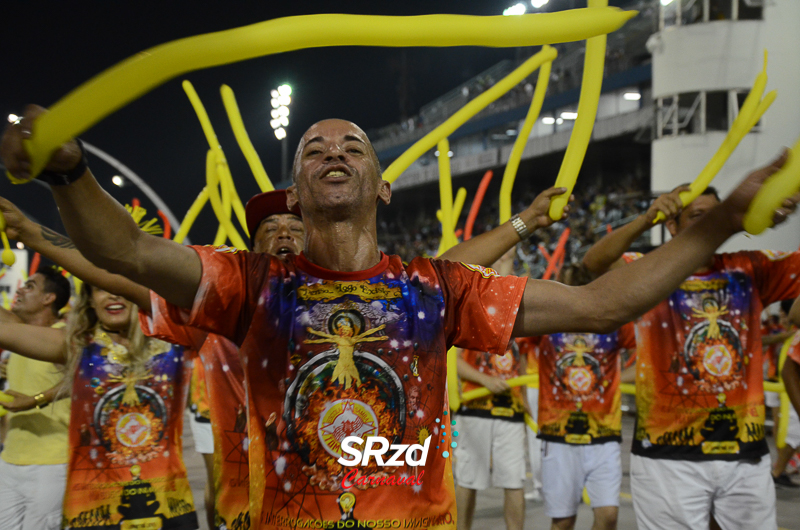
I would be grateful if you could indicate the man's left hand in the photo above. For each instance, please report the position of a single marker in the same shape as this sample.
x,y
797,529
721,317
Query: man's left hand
x,y
537,215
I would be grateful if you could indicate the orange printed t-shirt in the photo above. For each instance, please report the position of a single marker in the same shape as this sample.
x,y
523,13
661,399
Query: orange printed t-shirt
x,y
198,393
794,348
579,395
529,349
224,379
505,406
329,355
125,465
699,391
772,352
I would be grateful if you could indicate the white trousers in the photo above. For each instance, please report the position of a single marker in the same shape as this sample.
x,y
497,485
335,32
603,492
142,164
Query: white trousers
x,y
31,497
534,443
681,494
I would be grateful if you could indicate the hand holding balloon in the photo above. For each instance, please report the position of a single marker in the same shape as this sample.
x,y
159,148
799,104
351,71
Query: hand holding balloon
x,y
778,197
761,199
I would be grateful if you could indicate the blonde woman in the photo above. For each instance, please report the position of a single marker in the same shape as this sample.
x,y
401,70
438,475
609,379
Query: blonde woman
x,y
128,394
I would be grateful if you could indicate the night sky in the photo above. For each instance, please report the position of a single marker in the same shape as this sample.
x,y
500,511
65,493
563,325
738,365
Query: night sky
x,y
49,48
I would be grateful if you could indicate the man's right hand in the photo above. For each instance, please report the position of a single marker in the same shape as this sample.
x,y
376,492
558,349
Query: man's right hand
x,y
16,158
18,227
668,204
495,385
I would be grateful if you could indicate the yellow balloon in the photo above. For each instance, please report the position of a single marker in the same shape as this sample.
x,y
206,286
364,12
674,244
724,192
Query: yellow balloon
x,y
510,173
423,145
249,152
191,215
783,424
778,187
752,110
458,205
453,393
226,181
8,254
225,192
4,398
134,77
594,61
212,176
530,423
446,198
522,380
627,388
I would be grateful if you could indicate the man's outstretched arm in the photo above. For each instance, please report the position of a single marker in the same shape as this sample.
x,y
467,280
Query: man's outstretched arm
x,y
102,229
623,294
607,253
62,251
487,248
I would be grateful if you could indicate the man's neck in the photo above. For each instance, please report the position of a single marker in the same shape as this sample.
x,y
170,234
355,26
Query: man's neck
x,y
346,246
42,318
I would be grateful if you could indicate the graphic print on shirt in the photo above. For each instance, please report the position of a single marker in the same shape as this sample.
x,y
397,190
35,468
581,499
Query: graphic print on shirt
x,y
347,389
579,396
713,351
507,405
326,354
699,360
125,466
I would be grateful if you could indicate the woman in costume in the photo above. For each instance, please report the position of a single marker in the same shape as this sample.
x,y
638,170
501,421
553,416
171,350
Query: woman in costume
x,y
128,395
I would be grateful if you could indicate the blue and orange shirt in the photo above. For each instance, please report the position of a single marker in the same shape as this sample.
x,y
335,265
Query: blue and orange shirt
x,y
331,354
699,375
579,395
125,465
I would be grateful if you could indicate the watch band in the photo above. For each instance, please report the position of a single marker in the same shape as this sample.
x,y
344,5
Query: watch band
x,y
521,228
68,177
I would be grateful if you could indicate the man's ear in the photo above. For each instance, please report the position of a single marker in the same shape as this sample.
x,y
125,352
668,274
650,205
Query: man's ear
x,y
48,298
291,197
385,191
672,226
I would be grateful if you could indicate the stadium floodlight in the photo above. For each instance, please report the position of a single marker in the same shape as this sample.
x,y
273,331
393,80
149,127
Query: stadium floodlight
x,y
569,115
666,2
548,120
536,4
20,245
118,180
516,9
12,118
281,99
631,96
559,121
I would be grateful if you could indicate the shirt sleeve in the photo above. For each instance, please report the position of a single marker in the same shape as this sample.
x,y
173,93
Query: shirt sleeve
x,y
776,274
630,257
229,291
158,324
627,336
480,305
794,348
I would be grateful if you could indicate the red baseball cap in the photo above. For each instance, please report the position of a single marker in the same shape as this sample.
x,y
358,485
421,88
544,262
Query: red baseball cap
x,y
264,205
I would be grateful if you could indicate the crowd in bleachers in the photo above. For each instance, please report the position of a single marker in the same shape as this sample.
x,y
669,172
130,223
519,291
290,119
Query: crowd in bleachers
x,y
597,205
